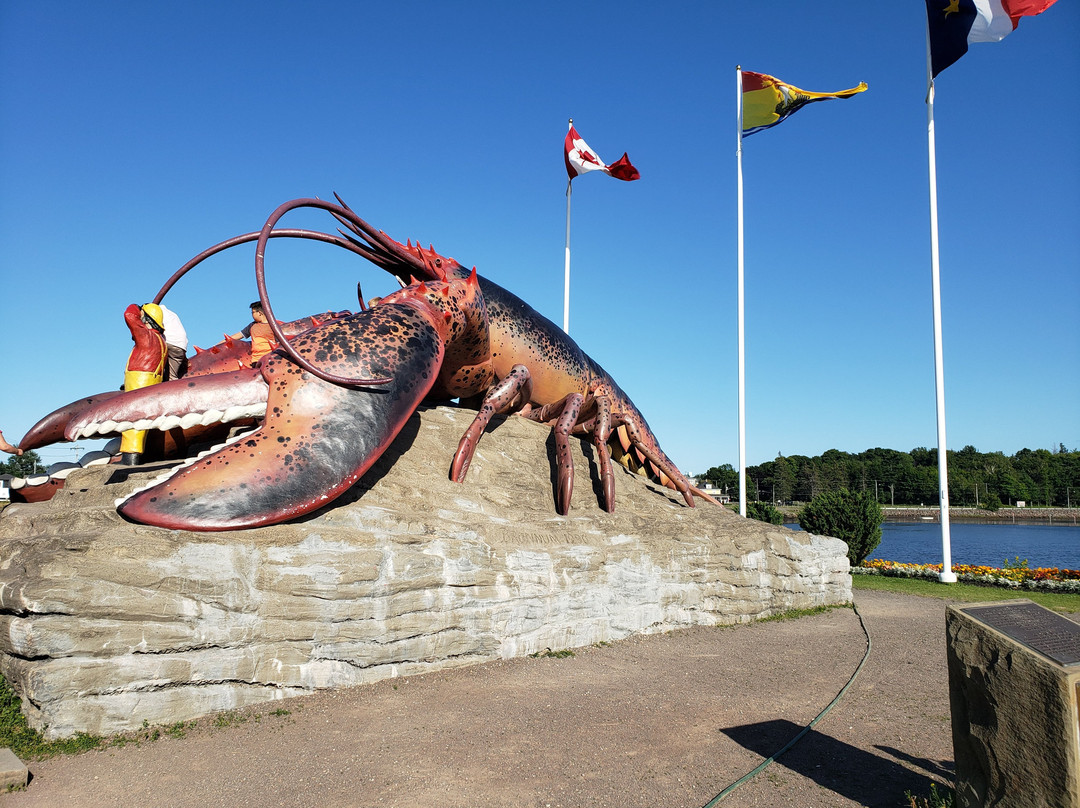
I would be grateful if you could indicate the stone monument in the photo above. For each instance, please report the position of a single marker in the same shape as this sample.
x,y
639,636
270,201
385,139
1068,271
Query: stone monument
x,y
1014,685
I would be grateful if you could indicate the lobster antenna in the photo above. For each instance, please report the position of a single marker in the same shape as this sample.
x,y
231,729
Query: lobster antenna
x,y
348,244
264,296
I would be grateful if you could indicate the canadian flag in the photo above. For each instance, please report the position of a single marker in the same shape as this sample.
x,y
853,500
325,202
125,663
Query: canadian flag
x,y
580,159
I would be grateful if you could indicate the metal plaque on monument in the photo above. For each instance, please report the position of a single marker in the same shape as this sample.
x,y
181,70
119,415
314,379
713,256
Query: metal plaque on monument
x,y
1014,688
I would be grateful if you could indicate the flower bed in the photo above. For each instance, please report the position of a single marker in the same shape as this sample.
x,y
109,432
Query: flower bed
x,y
1014,575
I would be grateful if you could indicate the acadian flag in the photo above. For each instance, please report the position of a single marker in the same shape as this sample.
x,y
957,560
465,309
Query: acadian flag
x,y
955,24
580,159
767,100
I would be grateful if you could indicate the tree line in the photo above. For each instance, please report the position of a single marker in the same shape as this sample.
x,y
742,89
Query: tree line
x,y
1038,477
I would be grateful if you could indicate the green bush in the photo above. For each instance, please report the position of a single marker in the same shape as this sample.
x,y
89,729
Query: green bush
x,y
992,503
764,512
854,517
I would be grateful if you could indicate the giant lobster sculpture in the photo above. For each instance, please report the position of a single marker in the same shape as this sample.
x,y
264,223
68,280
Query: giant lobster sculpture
x,y
332,398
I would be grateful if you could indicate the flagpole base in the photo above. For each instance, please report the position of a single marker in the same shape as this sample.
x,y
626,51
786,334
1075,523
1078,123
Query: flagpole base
x,y
947,577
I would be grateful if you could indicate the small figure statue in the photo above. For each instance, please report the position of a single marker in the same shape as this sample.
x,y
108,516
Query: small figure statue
x,y
176,342
145,366
259,332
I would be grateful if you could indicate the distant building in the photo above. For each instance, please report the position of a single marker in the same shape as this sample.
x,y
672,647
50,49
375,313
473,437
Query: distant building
x,y
708,487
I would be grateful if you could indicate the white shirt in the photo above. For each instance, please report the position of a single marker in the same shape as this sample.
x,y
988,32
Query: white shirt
x,y
175,333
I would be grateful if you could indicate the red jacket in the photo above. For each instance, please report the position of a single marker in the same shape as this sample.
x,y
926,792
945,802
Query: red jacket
x,y
148,355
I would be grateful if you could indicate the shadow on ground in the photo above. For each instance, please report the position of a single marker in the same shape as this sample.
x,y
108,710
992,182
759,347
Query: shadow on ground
x,y
863,777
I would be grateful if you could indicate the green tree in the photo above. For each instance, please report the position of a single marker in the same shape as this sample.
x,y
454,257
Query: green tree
x,y
854,517
807,479
838,470
764,512
23,465
784,477
1035,465
723,477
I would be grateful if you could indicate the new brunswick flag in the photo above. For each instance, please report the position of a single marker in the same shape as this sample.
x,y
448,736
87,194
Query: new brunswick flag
x,y
767,100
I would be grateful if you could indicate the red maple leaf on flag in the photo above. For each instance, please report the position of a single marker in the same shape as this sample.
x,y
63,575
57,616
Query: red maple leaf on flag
x,y
588,157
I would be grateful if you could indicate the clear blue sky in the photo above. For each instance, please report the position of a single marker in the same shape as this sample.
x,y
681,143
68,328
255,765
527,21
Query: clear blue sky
x,y
134,135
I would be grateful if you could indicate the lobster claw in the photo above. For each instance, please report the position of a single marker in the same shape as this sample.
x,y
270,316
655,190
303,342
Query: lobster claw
x,y
317,438
51,428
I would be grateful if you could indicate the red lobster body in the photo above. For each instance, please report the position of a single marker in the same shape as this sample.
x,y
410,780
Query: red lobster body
x,y
336,396
564,379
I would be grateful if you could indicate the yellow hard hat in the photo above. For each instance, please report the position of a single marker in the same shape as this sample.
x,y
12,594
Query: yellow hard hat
x,y
153,312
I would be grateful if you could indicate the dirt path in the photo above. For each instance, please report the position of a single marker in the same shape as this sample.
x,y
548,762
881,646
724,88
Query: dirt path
x,y
667,720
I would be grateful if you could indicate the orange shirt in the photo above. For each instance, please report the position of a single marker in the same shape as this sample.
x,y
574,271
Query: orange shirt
x,y
262,341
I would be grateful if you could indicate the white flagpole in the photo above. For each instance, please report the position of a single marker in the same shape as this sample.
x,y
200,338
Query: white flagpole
x,y
946,575
742,342
566,281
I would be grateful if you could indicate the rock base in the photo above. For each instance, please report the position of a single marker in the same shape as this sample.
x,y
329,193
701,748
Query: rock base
x,y
106,624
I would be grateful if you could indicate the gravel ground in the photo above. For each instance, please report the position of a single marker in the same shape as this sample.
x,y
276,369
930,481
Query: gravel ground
x,y
657,721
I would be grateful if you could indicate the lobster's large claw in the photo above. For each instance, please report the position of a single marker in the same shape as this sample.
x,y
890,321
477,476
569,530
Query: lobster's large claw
x,y
317,438
187,403
50,429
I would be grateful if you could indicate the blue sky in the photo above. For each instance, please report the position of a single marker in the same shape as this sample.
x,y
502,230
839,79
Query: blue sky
x,y
134,135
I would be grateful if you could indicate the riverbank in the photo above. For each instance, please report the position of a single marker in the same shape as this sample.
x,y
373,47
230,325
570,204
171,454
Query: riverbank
x,y
1002,516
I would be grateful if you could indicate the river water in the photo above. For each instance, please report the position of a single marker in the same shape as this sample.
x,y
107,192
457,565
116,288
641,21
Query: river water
x,y
1041,545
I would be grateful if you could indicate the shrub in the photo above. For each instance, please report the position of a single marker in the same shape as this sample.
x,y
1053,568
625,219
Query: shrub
x,y
854,517
764,512
992,503
942,799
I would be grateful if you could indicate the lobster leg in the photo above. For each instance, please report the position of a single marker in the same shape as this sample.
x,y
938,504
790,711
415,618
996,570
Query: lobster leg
x,y
600,429
601,432
566,413
676,478
501,398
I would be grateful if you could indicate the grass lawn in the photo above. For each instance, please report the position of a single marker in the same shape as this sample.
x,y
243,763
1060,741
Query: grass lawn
x,y
967,593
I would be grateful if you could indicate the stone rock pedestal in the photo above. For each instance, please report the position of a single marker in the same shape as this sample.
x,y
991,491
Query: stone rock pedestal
x,y
1014,685
106,624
